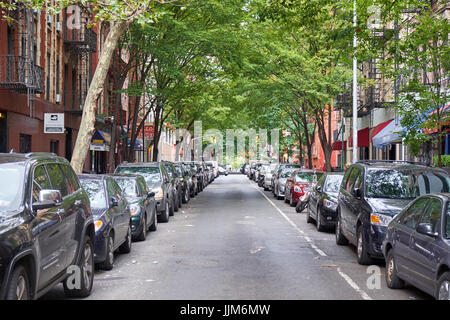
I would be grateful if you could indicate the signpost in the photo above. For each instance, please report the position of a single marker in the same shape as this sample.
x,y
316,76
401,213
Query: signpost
x,y
53,122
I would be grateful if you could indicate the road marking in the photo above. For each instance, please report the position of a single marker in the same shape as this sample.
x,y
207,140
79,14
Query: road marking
x,y
347,279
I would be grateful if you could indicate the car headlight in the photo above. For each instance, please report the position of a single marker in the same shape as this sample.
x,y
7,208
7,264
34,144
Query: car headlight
x,y
281,187
159,193
98,225
135,209
298,189
330,204
380,219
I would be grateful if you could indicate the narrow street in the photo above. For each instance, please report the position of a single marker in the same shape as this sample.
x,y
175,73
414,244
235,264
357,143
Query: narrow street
x,y
234,241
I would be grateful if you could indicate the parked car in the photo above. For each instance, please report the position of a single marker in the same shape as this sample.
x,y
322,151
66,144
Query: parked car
x,y
298,182
211,172
267,181
223,170
259,167
142,204
277,171
157,179
112,218
46,226
372,192
323,200
245,168
192,169
261,173
280,178
185,180
417,246
215,167
176,182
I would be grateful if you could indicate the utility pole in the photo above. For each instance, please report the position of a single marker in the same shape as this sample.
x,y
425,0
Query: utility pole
x,y
355,88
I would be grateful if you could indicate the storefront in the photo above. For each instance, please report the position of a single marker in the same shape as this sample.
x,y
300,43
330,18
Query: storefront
x,y
100,145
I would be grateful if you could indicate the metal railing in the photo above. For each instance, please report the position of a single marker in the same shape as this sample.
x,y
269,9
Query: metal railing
x,y
19,74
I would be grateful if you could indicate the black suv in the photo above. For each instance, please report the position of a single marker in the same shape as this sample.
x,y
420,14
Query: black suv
x,y
372,193
46,228
158,181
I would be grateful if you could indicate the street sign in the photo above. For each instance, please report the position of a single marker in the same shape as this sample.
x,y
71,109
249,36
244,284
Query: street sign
x,y
53,122
149,131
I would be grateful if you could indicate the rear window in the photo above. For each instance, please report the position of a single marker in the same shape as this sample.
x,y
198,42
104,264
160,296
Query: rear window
x,y
128,186
150,174
307,177
405,184
11,192
332,183
96,192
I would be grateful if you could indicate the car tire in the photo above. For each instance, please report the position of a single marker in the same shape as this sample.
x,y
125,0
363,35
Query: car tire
x,y
361,250
164,217
86,271
186,196
154,226
19,286
292,203
143,234
340,238
319,225
286,200
392,279
308,216
443,287
126,246
171,208
108,264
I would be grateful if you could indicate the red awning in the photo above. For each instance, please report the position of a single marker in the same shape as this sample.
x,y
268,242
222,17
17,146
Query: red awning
x,y
378,128
337,145
363,138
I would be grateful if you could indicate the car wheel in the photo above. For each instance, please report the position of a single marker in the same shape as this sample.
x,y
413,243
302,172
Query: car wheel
x,y
361,248
109,262
126,246
176,202
308,216
86,272
286,200
319,225
340,238
291,202
143,234
186,196
392,280
443,287
154,226
165,216
18,287
171,209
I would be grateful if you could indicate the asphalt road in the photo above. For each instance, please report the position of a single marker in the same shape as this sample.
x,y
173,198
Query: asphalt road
x,y
235,241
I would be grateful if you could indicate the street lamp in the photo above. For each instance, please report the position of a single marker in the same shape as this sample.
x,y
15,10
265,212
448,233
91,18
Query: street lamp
x,y
355,88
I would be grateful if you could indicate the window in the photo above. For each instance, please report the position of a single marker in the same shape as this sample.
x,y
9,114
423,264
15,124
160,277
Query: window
x,y
345,179
351,179
48,76
25,143
447,222
54,146
432,215
57,179
411,217
40,182
96,192
58,76
72,180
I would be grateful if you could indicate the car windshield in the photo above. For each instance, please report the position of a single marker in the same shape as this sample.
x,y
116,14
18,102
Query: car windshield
x,y
151,175
11,193
332,183
286,173
307,177
96,192
129,186
405,184
179,172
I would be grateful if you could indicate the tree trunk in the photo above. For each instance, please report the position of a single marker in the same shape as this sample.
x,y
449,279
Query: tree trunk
x,y
87,126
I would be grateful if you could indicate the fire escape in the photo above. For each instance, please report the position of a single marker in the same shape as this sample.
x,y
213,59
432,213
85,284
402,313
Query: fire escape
x,y
19,71
79,42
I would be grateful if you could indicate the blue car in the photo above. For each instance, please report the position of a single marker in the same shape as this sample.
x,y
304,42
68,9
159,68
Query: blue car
x,y
112,218
417,246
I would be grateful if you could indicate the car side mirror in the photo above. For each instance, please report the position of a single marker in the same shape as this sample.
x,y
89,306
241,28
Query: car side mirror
x,y
319,189
114,202
47,199
357,193
426,229
151,194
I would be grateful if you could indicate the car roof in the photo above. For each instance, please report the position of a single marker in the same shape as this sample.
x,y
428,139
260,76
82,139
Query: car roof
x,y
139,164
125,175
387,164
89,176
31,156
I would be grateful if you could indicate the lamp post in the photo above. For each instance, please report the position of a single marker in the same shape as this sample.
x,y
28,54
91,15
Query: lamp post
x,y
355,88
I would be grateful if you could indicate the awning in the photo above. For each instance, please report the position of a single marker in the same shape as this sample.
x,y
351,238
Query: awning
x,y
442,110
100,141
337,145
101,137
363,138
137,144
378,128
387,135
